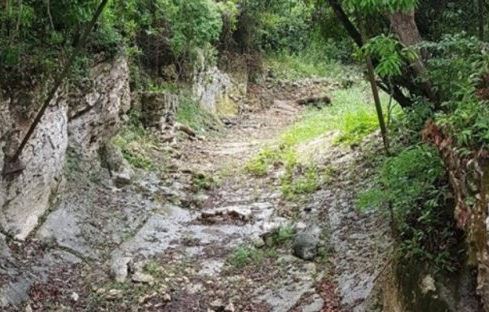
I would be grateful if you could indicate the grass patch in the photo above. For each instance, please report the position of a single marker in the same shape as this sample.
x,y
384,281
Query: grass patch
x,y
295,185
261,163
245,255
352,115
202,181
280,236
306,65
135,142
190,113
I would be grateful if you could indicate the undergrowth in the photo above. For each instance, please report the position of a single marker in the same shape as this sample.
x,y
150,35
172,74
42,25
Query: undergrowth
x,y
294,67
190,113
135,143
246,255
411,188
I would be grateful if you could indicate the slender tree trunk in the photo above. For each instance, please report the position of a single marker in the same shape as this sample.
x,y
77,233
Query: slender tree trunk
x,y
481,19
343,18
355,34
378,104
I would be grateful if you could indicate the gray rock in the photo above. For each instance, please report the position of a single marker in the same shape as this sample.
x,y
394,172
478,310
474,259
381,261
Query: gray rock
x,y
315,306
144,278
30,191
119,268
306,246
4,249
95,117
15,293
123,178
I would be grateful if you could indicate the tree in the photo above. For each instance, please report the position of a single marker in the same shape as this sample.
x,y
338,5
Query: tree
x,y
401,17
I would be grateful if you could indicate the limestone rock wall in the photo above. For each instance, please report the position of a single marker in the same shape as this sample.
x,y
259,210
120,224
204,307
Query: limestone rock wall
x,y
219,92
95,116
28,193
82,120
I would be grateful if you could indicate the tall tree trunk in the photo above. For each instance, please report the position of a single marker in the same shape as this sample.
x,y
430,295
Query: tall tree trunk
x,y
403,24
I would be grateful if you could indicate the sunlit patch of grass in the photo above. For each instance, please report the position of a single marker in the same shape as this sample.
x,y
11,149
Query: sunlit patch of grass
x,y
306,65
245,255
351,116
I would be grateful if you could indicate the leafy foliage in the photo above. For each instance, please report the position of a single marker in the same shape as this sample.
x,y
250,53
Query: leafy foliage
x,y
390,53
380,6
412,185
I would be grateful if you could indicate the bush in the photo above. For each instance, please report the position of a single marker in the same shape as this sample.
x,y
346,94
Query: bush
x,y
413,189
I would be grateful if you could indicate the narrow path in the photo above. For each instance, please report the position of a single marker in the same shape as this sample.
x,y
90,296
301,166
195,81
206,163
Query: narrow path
x,y
203,235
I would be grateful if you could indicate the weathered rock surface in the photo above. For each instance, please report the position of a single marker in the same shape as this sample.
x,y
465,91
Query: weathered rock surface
x,y
29,193
83,123
96,117
158,109
306,245
218,92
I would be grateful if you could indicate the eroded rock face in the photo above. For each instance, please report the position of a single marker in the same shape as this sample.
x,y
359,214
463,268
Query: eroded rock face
x,y
82,122
158,109
28,194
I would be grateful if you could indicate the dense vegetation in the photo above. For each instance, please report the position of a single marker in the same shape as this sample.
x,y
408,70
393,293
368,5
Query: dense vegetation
x,y
430,56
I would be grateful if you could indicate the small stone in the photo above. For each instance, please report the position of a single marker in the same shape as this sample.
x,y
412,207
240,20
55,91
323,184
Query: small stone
x,y
217,304
113,294
306,246
259,242
74,296
229,307
143,278
167,297
123,178
120,267
428,285
28,308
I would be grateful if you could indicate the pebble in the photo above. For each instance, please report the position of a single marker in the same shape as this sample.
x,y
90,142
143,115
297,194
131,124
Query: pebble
x,y
167,297
74,296
144,278
229,307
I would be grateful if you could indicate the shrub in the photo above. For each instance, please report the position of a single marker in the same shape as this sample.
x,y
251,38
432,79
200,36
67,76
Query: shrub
x,y
412,188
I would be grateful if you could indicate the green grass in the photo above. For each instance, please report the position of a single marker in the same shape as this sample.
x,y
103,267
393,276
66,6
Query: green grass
x,y
244,255
190,113
293,67
260,164
135,143
352,116
305,183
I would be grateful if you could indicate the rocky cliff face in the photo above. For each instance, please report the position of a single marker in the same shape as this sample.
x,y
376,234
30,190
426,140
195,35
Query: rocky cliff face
x,y
78,120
